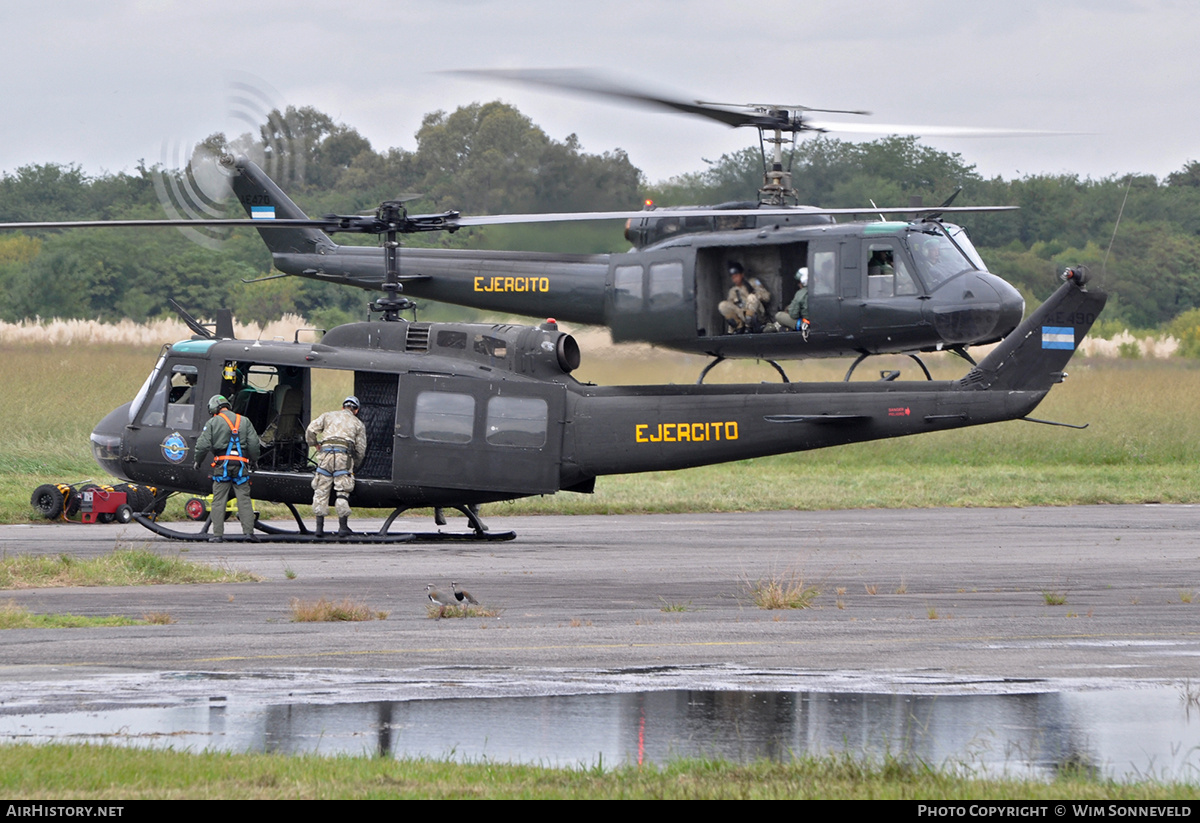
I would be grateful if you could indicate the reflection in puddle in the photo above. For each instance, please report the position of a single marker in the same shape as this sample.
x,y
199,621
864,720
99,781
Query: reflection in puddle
x,y
1122,734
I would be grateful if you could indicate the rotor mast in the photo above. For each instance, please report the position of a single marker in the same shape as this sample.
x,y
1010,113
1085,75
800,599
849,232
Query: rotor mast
x,y
777,182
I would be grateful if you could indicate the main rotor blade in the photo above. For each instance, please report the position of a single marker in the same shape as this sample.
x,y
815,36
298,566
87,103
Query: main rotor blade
x,y
454,223
258,223
583,82
502,219
933,131
788,106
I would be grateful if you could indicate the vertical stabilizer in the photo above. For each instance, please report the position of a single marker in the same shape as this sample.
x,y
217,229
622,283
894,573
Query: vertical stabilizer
x,y
263,200
1032,358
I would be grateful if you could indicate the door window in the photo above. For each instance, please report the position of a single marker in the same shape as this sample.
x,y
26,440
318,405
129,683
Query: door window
x,y
444,417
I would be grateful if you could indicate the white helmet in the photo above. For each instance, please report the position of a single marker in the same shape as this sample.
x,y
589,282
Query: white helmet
x,y
802,276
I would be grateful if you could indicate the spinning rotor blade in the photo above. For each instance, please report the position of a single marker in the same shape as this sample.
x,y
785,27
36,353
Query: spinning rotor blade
x,y
787,106
931,131
760,115
502,219
452,221
579,81
120,224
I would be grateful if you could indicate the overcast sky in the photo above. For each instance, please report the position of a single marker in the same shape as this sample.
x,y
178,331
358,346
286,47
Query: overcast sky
x,y
104,84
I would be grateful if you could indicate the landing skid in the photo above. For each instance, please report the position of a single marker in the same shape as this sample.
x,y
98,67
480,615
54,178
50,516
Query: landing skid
x,y
479,531
892,374
302,534
720,357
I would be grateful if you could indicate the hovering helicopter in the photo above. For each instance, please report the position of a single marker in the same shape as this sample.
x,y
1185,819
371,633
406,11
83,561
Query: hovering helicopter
x,y
901,286
875,288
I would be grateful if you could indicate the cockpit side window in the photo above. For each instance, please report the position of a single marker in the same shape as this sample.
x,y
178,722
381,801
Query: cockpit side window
x,y
173,402
154,411
888,274
181,400
139,405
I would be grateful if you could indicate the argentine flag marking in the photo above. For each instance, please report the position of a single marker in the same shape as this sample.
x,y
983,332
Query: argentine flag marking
x,y
1058,337
262,212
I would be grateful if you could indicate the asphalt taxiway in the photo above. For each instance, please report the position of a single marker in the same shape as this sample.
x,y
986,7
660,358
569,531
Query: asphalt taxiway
x,y
960,595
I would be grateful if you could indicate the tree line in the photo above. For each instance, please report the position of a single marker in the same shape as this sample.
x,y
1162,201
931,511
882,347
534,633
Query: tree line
x,y
490,158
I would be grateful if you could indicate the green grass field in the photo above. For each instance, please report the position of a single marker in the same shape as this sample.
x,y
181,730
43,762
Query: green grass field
x,y
1143,443
63,772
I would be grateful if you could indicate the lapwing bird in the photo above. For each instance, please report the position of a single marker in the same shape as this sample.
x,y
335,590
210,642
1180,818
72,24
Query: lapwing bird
x,y
462,595
438,599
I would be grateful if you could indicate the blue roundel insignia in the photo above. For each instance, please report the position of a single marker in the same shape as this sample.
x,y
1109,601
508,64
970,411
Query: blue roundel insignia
x,y
175,448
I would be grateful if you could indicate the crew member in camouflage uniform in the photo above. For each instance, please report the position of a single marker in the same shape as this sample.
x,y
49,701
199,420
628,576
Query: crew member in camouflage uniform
x,y
234,444
341,442
745,308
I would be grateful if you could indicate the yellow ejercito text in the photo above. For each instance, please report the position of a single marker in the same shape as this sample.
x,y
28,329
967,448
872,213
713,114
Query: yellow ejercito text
x,y
685,432
494,284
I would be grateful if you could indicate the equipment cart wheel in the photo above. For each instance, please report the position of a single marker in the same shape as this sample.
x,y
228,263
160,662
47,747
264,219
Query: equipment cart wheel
x,y
195,509
124,513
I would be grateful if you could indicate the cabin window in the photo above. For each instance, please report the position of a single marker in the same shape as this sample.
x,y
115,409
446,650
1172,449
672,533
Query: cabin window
x,y
444,417
452,340
666,285
490,347
517,421
823,277
628,283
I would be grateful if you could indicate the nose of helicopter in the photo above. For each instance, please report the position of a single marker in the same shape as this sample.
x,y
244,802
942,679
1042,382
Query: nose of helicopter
x,y
976,307
106,440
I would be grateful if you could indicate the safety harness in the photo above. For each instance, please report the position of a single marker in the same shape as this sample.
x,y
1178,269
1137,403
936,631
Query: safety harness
x,y
232,458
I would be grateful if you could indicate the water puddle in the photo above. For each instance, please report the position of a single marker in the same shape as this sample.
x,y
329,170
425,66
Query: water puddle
x,y
1151,731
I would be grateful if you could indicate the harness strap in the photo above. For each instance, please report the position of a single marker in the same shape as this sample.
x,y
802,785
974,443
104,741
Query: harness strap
x,y
233,452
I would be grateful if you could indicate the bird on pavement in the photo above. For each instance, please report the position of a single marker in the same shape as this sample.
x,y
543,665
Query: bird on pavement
x,y
438,599
463,595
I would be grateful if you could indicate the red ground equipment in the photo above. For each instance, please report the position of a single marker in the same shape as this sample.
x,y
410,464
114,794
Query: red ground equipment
x,y
94,503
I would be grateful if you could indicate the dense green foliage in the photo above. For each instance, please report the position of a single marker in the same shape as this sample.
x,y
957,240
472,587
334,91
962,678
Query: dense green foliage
x,y
490,158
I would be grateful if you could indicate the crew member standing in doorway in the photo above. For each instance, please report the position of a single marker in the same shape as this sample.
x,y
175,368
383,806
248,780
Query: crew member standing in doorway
x,y
340,439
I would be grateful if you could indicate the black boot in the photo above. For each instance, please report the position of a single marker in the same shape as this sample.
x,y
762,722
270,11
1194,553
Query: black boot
x,y
343,527
320,527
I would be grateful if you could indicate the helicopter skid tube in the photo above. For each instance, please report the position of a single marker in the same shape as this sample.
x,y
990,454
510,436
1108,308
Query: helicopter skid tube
x,y
278,535
275,535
